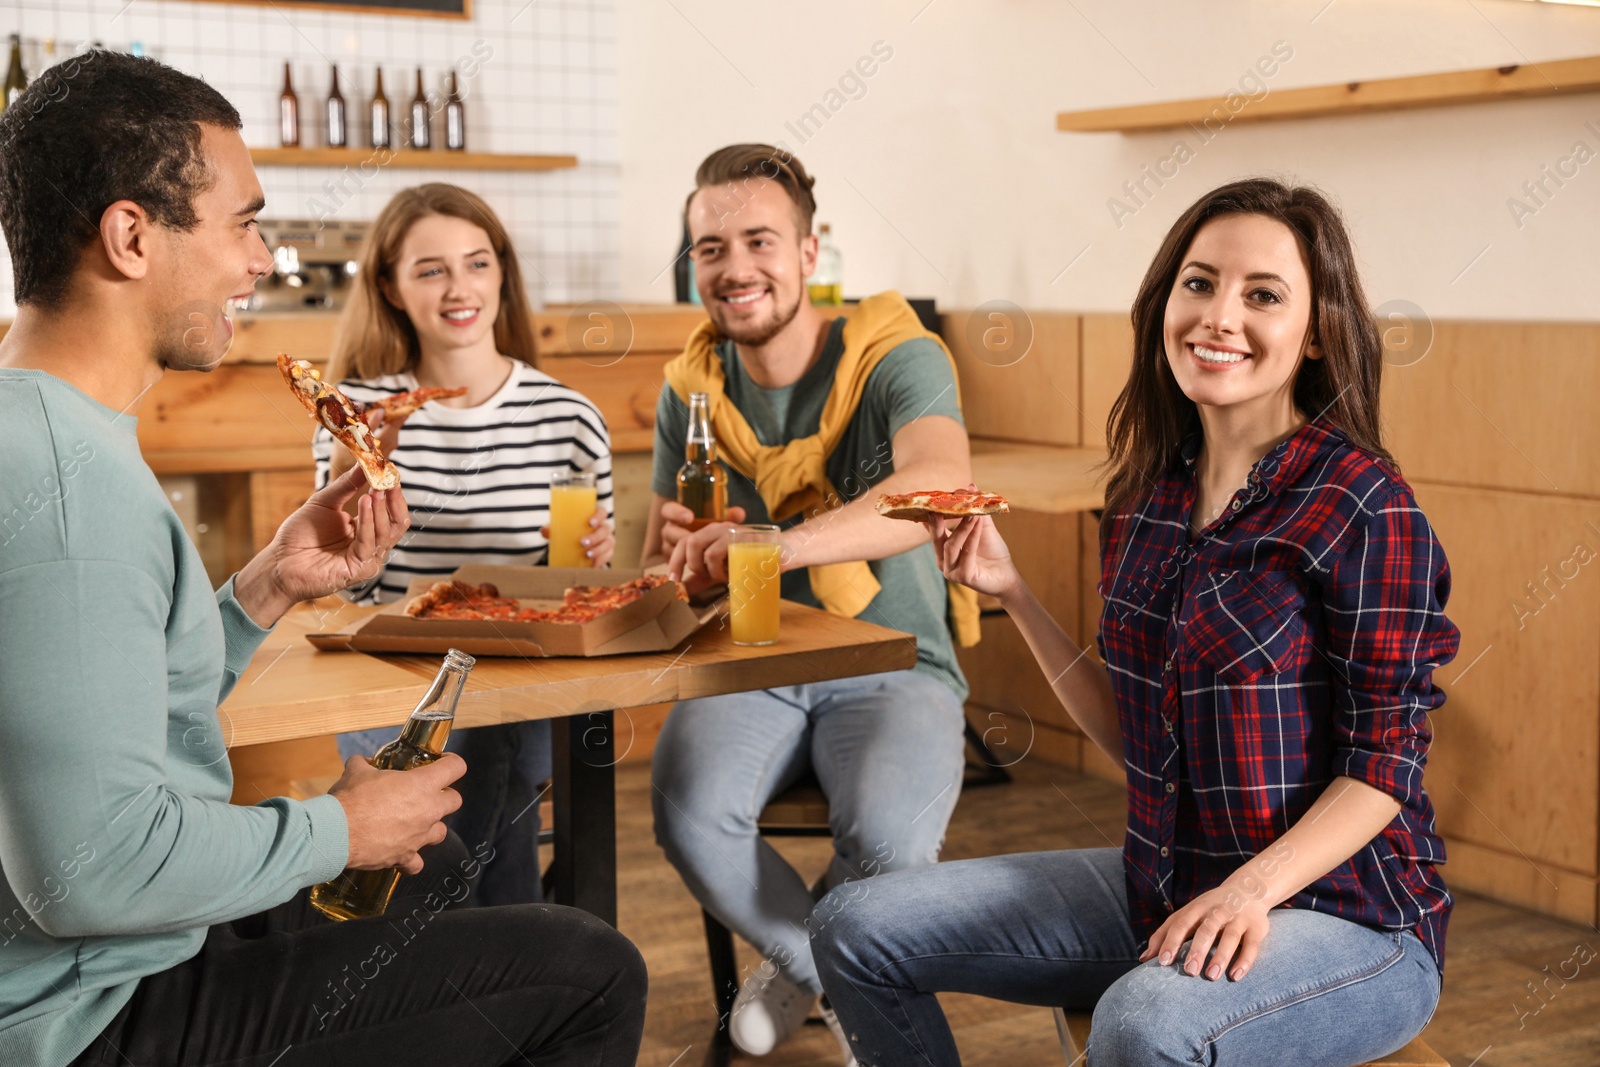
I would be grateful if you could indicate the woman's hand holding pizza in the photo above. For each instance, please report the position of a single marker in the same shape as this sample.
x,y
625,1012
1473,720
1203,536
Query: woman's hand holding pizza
x,y
972,553
321,548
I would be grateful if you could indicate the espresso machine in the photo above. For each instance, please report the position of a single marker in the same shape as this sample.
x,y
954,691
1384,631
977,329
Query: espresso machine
x,y
313,264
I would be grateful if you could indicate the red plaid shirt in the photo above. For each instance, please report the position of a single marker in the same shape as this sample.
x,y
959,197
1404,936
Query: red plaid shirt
x,y
1292,642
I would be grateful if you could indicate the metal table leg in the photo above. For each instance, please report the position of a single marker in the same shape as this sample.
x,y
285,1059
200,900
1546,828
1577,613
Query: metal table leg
x,y
585,861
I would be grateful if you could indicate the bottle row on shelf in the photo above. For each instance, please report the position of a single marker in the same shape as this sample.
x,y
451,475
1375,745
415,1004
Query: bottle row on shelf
x,y
416,122
38,54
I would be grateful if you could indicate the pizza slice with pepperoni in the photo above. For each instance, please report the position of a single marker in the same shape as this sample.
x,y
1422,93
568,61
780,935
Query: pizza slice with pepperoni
x,y
333,409
377,413
954,504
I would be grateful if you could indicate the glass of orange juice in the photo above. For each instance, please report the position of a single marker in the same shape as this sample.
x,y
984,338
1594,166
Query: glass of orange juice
x,y
754,574
572,501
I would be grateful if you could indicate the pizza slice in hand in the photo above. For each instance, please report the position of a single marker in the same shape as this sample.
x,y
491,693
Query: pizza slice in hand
x,y
377,413
955,504
333,409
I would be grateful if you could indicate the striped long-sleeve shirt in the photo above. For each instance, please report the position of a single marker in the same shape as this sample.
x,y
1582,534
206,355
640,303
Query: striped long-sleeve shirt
x,y
1293,641
477,480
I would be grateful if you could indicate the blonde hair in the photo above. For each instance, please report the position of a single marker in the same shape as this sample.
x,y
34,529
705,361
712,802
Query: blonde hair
x,y
375,337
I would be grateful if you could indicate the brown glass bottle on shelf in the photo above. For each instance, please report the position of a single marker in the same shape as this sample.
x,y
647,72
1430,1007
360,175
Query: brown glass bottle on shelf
x,y
380,130
419,128
288,112
702,483
16,80
338,133
364,894
455,119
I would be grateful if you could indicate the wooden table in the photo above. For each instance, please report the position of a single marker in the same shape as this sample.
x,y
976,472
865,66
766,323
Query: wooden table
x,y
291,690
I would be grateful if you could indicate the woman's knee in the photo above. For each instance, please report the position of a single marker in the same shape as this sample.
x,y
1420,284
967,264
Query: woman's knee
x,y
1136,1024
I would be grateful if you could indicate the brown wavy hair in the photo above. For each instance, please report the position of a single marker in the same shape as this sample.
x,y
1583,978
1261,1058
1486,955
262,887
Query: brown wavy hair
x,y
1152,415
745,163
375,337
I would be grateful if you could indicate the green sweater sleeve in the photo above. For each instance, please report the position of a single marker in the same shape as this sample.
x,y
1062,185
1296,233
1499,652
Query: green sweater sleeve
x,y
93,755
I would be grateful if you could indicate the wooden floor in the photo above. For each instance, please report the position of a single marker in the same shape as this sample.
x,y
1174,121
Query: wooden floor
x,y
1488,1016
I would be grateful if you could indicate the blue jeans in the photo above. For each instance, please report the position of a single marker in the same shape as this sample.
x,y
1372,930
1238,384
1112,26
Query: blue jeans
x,y
888,752
1052,928
499,800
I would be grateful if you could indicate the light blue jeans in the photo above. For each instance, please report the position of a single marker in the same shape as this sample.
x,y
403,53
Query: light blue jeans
x,y
1052,928
888,752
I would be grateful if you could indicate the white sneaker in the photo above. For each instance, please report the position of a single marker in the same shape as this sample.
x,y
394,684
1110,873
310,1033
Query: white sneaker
x,y
837,1031
767,1010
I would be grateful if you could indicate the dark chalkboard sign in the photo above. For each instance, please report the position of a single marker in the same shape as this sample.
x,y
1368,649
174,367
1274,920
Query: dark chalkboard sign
x,y
447,9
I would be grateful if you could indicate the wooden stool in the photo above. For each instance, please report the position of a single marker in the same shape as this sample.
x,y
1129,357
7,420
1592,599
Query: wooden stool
x,y
1073,1030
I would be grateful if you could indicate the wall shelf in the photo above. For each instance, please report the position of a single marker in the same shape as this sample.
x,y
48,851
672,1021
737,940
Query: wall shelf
x,y
437,159
1558,78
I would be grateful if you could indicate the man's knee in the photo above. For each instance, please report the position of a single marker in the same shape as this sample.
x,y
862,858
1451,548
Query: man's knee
x,y
870,844
846,928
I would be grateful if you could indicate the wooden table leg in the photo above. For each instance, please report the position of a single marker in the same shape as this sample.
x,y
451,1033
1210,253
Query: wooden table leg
x,y
585,862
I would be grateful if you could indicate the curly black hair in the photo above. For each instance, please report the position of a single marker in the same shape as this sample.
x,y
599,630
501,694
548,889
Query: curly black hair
x,y
94,129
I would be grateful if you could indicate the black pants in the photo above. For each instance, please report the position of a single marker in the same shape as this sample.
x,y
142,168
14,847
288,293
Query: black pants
x,y
427,983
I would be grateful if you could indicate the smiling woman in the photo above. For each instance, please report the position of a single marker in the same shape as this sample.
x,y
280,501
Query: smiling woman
x,y
440,304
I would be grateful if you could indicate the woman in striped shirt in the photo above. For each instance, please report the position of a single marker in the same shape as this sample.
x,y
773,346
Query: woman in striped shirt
x,y
439,302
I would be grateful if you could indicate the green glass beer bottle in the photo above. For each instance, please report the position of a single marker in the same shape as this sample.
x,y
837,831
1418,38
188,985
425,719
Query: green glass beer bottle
x,y
363,894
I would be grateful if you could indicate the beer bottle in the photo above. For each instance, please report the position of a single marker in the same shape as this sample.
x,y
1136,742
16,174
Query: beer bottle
x,y
16,80
288,112
381,135
337,134
420,128
702,483
455,119
363,894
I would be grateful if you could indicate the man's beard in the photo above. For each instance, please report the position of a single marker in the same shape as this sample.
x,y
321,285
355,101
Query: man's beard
x,y
759,333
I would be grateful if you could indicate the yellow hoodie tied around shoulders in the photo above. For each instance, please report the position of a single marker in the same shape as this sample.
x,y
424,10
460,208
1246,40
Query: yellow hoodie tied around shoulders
x,y
792,478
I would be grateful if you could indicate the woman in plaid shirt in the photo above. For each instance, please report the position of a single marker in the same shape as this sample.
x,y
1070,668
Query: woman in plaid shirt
x,y
1274,613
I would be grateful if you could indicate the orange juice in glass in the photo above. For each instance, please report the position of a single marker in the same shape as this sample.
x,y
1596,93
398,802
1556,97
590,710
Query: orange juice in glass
x,y
572,501
754,571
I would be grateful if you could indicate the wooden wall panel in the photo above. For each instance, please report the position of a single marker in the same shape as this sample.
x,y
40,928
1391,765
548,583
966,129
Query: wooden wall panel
x,y
1508,405
302,334
1035,398
625,392
1515,765
1004,677
1107,356
1503,875
1015,738
238,417
274,495
604,331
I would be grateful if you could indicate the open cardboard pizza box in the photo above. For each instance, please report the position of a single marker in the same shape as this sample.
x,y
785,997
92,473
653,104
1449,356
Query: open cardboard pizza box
x,y
657,621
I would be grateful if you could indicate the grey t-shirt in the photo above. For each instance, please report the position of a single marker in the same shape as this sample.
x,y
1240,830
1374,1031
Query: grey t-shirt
x,y
912,381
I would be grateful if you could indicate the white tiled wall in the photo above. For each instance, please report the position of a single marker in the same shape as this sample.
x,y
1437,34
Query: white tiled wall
x,y
548,86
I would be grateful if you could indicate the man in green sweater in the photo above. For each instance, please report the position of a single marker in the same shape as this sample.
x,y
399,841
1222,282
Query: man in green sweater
x,y
143,918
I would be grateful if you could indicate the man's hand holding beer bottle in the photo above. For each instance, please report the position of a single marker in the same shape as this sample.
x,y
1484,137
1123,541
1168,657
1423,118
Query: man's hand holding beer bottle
x,y
395,814
695,531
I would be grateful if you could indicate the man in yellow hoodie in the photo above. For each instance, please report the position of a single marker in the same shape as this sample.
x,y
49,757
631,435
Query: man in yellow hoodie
x,y
814,415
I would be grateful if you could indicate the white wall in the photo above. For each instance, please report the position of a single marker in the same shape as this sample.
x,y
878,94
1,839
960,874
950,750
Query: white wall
x,y
548,85
947,178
